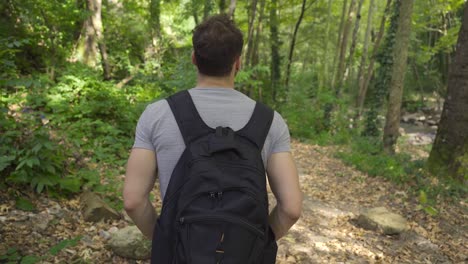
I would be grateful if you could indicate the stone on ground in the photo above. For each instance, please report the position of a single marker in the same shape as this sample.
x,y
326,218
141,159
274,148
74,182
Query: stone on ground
x,y
94,209
380,218
130,243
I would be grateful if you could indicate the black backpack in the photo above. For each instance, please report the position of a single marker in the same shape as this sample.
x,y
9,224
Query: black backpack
x,y
216,206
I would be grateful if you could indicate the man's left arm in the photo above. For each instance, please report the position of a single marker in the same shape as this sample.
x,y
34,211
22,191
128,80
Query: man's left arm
x,y
139,181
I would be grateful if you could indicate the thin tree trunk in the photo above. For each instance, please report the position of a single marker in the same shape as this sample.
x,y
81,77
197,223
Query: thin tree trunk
x,y
207,9
354,38
362,64
344,45
449,155
252,15
293,42
400,56
258,30
222,6
275,46
325,73
232,8
338,42
370,69
95,7
195,12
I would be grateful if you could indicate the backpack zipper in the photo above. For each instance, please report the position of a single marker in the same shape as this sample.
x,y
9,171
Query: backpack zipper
x,y
234,220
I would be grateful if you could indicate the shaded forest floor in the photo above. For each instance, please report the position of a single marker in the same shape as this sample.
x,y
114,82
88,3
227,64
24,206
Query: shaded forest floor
x,y
334,194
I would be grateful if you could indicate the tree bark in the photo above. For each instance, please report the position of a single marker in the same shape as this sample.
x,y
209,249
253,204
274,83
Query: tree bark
x,y
450,151
293,42
362,64
207,9
95,7
400,56
254,56
370,69
222,6
252,15
232,8
344,45
325,73
195,12
354,38
338,42
274,46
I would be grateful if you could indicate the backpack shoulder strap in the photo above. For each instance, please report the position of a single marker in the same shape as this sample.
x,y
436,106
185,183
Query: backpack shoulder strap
x,y
188,119
259,125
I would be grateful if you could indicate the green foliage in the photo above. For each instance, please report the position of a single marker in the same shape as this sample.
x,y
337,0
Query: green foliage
x,y
366,154
24,204
64,244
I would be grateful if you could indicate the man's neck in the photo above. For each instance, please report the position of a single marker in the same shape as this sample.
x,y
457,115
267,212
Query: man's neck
x,y
209,81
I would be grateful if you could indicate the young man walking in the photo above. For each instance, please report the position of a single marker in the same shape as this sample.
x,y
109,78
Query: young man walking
x,y
162,137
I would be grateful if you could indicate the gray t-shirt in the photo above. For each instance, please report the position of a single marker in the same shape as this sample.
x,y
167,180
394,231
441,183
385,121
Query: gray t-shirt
x,y
157,128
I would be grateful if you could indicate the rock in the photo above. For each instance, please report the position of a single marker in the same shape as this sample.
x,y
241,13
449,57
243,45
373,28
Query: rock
x,y
431,122
41,221
129,242
104,234
434,127
94,209
410,118
56,210
381,219
419,123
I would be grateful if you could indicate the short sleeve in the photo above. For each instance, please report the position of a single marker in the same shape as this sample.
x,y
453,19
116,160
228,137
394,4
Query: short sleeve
x,y
144,131
281,140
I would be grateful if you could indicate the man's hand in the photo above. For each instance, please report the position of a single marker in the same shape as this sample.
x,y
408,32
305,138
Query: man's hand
x,y
139,181
284,182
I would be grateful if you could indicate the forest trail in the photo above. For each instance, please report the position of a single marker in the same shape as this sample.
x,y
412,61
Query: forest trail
x,y
334,194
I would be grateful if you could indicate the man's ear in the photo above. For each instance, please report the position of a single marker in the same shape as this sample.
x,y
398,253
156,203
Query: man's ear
x,y
238,64
194,60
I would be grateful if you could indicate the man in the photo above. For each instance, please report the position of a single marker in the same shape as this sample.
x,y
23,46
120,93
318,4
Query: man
x,y
159,144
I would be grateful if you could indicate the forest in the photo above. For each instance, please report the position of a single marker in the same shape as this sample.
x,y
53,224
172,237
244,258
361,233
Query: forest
x,y
374,92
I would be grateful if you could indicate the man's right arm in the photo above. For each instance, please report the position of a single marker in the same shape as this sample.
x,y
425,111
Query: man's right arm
x,y
284,182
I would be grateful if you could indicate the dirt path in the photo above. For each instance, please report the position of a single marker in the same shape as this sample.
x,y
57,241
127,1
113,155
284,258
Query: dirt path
x,y
334,196
326,233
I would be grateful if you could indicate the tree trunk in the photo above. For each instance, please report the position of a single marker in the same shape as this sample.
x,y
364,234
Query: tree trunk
x,y
207,9
275,46
155,18
293,42
450,151
194,10
344,45
222,6
95,7
354,38
252,15
325,73
370,69
254,56
338,42
232,8
362,64
400,56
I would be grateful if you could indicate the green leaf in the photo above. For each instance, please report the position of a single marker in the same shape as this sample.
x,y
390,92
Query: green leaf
x,y
24,204
422,197
431,210
31,259
63,244
71,184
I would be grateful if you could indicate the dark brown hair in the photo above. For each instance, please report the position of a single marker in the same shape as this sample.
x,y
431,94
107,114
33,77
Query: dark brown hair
x,y
217,43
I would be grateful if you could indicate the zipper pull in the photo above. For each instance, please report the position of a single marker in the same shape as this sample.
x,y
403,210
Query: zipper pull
x,y
181,220
220,195
212,195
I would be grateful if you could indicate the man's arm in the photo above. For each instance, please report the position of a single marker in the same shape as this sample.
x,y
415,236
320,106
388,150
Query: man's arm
x,y
284,182
139,181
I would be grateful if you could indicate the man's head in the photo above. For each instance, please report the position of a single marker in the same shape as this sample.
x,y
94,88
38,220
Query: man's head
x,y
217,45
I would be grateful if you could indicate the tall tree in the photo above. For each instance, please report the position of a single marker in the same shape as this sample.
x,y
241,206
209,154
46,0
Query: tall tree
x,y
450,151
207,7
338,42
232,8
252,15
222,6
362,64
325,75
340,72
293,42
400,56
275,46
370,69
354,39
